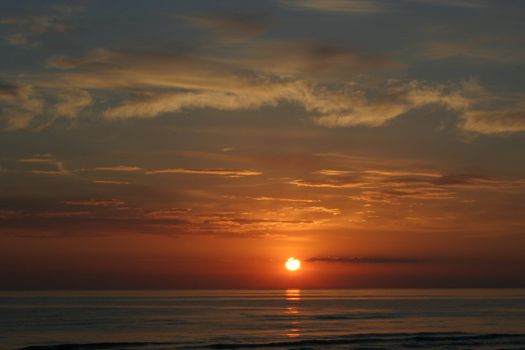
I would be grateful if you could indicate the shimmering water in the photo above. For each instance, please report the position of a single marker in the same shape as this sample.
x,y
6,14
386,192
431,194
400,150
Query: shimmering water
x,y
291,319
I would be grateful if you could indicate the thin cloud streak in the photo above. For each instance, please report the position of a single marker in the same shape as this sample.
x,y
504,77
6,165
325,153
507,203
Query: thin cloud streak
x,y
110,182
51,165
371,7
396,180
123,168
220,172
366,260
341,6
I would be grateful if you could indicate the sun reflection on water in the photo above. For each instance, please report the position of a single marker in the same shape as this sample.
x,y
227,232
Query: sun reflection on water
x,y
293,312
293,295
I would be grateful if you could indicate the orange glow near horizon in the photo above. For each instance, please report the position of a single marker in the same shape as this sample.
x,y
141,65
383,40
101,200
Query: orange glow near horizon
x,y
293,264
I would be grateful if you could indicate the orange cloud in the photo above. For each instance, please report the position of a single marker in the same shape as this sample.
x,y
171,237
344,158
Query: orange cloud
x,y
221,172
124,168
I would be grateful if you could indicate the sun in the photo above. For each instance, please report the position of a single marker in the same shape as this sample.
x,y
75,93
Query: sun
x,y
293,264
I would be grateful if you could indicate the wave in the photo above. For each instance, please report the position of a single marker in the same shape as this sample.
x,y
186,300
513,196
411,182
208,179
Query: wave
x,y
390,341
101,346
441,340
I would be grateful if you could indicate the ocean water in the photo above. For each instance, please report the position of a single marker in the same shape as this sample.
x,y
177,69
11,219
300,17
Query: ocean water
x,y
264,319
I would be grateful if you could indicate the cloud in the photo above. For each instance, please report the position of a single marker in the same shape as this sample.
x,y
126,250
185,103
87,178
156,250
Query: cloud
x,y
263,222
331,172
342,6
195,82
374,6
504,121
395,195
312,59
172,213
455,3
18,105
293,200
9,92
320,209
492,113
71,102
231,25
481,49
97,56
391,186
110,216
102,222
220,172
110,182
124,168
334,108
387,173
339,183
224,156
365,260
111,69
153,106
61,214
395,100
475,181
154,84
21,104
48,165
97,203
226,217
25,31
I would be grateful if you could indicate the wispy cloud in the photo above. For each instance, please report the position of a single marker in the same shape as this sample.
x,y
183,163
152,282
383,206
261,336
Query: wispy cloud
x,y
334,108
387,173
220,172
173,213
62,214
385,185
25,31
313,59
374,6
110,182
327,183
123,168
395,195
48,165
366,260
455,3
479,49
209,83
96,203
342,6
71,102
18,105
308,74
332,172
497,121
234,25
293,200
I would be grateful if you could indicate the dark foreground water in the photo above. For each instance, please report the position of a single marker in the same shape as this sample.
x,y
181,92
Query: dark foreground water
x,y
264,319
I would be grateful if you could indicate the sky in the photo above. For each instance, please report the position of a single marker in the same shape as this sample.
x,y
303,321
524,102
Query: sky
x,y
199,144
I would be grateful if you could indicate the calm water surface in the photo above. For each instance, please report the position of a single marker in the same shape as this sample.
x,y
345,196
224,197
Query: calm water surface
x,y
291,319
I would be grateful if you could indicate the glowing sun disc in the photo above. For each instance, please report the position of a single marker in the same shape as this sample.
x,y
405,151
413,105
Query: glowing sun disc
x,y
292,264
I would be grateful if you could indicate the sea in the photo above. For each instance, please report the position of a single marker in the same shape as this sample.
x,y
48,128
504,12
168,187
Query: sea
x,y
264,319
